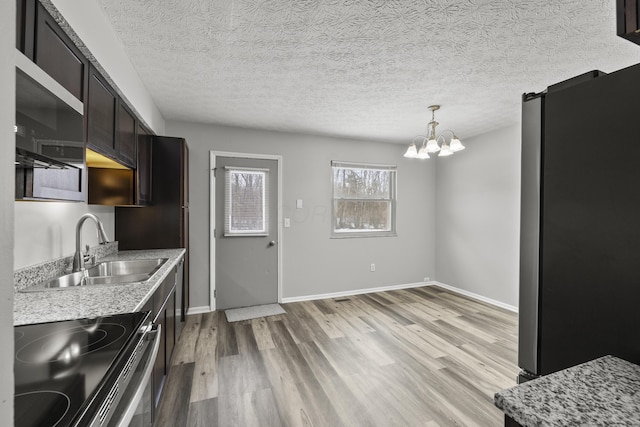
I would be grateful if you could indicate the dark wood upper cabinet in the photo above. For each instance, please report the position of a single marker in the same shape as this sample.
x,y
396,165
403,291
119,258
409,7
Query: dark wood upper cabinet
x,y
144,169
110,128
627,20
56,54
20,21
25,26
101,115
126,143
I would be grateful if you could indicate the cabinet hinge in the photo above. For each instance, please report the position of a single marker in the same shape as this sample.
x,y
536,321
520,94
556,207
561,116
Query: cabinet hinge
x,y
214,233
214,172
215,293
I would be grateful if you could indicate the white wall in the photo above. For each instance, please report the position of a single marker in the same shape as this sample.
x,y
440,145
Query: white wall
x,y
47,230
312,262
7,195
478,216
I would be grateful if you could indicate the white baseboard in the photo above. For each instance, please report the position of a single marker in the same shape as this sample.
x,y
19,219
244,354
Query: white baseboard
x,y
206,309
199,310
354,292
476,296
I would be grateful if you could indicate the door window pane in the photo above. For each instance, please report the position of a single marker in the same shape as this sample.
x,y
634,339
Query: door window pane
x,y
246,201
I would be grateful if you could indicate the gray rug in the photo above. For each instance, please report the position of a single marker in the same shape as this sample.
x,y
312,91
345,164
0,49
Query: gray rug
x,y
246,313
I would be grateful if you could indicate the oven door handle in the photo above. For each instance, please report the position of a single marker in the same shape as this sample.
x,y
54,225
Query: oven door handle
x,y
127,415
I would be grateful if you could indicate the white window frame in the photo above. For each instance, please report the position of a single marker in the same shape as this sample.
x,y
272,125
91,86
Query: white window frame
x,y
392,199
228,231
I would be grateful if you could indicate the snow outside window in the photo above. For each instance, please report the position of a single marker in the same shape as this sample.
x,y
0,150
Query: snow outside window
x,y
246,202
364,200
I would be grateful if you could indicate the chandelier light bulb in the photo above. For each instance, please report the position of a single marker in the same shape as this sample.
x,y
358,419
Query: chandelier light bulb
x,y
445,150
432,146
423,153
412,152
456,145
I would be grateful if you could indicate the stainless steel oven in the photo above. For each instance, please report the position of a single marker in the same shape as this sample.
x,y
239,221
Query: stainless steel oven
x,y
85,372
128,402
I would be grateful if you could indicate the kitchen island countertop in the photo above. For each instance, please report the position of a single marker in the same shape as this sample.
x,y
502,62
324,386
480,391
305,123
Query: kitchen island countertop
x,y
94,300
602,392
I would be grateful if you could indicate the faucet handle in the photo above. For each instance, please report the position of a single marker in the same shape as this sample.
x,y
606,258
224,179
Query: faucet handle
x,y
89,259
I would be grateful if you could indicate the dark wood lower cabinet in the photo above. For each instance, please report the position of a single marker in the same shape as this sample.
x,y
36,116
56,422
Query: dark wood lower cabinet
x,y
164,312
510,422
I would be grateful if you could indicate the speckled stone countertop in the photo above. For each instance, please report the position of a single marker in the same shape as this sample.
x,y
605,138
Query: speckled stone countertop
x,y
602,392
93,301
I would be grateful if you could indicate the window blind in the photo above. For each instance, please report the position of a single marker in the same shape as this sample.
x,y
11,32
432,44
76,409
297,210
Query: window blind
x,y
246,202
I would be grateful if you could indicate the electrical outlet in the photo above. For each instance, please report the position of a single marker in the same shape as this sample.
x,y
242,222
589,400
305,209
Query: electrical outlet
x,y
426,279
373,267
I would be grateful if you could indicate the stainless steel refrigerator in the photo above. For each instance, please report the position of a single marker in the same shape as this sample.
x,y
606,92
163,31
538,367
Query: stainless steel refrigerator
x,y
580,223
165,222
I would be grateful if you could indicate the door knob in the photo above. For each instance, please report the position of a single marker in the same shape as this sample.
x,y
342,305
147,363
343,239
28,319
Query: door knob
x,y
272,243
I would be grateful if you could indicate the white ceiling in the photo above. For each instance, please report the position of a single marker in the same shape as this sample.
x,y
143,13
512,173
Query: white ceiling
x,y
362,68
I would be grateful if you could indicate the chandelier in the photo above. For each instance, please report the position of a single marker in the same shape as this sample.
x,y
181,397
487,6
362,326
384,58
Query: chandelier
x,y
430,143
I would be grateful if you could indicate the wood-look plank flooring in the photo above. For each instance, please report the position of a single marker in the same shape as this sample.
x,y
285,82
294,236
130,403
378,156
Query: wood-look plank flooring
x,y
414,357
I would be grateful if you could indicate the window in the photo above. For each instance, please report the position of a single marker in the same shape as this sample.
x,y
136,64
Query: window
x,y
246,201
364,200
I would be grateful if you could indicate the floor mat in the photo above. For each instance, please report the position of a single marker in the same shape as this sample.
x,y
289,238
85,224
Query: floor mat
x,y
246,313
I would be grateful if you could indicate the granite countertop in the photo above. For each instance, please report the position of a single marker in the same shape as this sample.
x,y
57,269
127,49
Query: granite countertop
x,y
89,301
602,392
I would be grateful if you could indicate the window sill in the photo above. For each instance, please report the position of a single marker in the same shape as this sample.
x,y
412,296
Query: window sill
x,y
358,235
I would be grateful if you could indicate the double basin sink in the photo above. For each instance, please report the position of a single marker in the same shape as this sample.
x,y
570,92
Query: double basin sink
x,y
104,273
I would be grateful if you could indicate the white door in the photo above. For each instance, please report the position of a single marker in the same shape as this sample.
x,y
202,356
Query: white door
x,y
246,231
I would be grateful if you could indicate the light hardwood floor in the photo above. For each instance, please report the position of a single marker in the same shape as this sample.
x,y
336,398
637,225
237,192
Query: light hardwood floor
x,y
414,357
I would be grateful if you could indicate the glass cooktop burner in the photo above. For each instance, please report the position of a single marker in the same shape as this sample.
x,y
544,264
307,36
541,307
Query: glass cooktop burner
x,y
59,366
58,404
68,344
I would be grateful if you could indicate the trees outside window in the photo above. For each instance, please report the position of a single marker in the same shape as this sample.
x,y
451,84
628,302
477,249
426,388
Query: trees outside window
x,y
364,200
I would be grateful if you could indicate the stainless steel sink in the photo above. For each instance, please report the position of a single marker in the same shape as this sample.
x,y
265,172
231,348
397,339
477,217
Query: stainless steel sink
x,y
104,273
125,268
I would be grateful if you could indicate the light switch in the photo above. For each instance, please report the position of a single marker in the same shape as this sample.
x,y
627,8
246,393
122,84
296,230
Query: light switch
x,y
299,204
287,222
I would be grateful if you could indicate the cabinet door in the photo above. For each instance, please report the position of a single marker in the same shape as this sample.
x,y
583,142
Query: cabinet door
x,y
56,54
127,143
25,26
143,171
101,115
628,22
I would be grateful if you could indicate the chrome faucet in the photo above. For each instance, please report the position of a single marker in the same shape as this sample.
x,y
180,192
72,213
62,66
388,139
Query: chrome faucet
x,y
78,258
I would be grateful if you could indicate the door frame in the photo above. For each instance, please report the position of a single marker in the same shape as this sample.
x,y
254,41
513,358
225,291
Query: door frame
x,y
213,155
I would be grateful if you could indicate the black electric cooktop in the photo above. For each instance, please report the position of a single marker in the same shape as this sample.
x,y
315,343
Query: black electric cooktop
x,y
59,367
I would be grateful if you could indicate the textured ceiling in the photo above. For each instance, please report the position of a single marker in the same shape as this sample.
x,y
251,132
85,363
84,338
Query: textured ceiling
x,y
362,68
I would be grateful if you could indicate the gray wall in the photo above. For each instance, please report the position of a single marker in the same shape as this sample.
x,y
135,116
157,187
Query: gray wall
x,y
7,154
478,216
312,262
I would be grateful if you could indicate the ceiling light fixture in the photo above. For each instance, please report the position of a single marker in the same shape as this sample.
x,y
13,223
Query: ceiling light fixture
x,y
430,142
